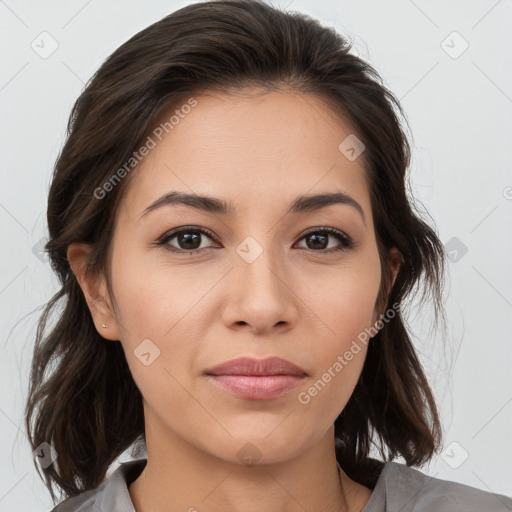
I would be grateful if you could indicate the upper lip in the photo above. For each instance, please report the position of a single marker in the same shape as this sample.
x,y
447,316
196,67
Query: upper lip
x,y
252,366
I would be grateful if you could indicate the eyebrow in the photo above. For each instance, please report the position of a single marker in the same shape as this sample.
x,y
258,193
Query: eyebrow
x,y
301,204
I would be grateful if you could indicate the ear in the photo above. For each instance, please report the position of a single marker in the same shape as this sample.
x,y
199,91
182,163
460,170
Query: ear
x,y
395,261
94,288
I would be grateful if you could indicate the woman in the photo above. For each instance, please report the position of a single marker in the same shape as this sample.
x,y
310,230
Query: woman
x,y
230,224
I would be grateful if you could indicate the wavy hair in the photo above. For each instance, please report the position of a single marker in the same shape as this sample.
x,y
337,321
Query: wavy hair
x,y
82,398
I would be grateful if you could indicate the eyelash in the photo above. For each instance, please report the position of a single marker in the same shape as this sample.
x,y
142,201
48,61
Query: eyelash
x,y
347,242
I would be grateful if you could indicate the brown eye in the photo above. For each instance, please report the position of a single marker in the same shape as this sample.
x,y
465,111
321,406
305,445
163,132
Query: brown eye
x,y
185,240
318,241
189,240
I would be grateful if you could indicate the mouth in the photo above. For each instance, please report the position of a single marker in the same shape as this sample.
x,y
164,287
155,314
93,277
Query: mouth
x,y
260,387
256,379
257,367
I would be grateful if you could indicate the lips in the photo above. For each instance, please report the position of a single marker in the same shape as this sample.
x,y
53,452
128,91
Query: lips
x,y
257,367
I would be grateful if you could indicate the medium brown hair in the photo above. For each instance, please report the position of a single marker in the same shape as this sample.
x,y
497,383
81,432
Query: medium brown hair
x,y
82,397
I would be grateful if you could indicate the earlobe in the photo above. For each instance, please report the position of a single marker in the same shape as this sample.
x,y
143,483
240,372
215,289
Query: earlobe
x,y
95,291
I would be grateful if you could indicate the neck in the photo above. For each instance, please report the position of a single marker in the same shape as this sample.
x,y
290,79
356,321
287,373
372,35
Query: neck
x,y
309,481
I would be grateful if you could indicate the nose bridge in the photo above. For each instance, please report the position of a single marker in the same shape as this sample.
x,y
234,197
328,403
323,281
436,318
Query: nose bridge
x,y
261,295
259,263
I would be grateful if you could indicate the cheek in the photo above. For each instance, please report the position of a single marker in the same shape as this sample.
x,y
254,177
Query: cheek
x,y
339,356
159,344
162,318
342,299
343,307
155,299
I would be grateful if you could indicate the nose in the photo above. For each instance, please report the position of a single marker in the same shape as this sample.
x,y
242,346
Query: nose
x,y
260,296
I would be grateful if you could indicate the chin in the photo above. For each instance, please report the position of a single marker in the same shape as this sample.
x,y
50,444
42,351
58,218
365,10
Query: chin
x,y
251,450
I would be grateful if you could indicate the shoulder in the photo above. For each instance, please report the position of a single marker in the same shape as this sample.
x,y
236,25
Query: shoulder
x,y
111,495
409,490
84,502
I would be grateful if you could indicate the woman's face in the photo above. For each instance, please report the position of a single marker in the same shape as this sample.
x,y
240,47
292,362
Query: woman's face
x,y
267,281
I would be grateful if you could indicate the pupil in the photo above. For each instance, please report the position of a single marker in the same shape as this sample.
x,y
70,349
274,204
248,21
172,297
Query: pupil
x,y
315,239
187,241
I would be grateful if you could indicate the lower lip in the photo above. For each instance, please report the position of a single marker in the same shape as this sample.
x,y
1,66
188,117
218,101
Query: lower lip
x,y
264,387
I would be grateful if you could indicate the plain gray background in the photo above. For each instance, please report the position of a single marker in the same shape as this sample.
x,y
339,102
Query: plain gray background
x,y
450,65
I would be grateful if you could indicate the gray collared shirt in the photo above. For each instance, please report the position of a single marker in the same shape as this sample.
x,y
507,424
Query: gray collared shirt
x,y
398,488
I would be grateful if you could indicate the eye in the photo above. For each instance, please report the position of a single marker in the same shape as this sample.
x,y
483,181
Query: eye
x,y
319,240
188,240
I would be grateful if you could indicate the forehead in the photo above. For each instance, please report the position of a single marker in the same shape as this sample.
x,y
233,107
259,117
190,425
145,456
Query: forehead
x,y
255,150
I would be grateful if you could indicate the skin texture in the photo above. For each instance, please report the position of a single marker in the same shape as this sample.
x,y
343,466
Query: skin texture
x,y
295,301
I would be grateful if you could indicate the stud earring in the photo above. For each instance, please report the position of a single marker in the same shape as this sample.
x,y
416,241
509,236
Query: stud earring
x,y
104,326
